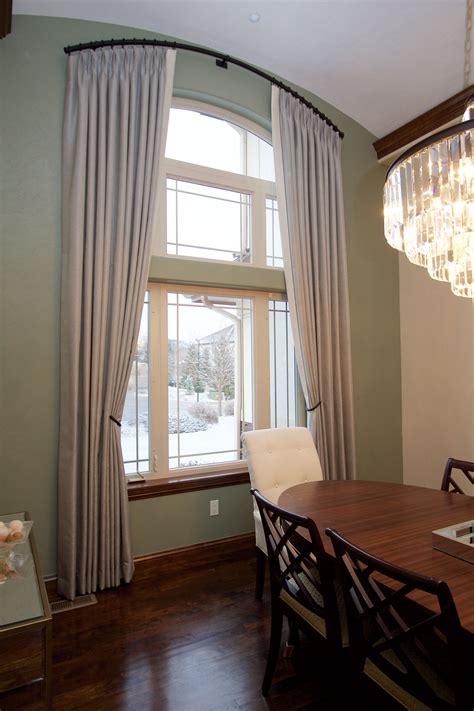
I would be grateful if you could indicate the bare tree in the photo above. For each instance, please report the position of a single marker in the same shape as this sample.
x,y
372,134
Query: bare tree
x,y
221,373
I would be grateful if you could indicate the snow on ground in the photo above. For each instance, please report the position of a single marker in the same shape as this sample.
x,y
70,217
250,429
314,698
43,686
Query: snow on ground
x,y
220,436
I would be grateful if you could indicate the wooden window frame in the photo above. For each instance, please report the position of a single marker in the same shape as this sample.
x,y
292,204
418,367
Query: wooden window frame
x,y
224,474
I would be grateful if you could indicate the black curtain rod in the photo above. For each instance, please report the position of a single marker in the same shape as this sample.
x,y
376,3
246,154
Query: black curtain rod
x,y
222,60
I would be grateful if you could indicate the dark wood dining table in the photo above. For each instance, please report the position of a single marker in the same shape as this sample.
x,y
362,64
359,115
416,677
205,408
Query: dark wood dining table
x,y
394,522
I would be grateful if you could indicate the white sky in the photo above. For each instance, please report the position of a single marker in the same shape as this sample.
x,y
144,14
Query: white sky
x,y
197,321
206,140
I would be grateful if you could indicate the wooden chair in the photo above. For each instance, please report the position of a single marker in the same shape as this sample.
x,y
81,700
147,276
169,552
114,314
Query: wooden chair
x,y
277,459
302,582
423,659
450,481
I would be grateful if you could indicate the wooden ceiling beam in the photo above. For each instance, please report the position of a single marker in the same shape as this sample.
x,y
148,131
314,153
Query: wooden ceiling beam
x,y
429,122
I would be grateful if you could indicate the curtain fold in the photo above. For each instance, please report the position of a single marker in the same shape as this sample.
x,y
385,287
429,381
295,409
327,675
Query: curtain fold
x,y
310,202
115,120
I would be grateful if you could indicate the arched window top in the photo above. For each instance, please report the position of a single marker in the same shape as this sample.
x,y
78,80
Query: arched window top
x,y
220,189
197,137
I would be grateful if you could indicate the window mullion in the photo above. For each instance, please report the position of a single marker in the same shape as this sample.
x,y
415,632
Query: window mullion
x,y
191,172
160,235
259,227
159,379
262,363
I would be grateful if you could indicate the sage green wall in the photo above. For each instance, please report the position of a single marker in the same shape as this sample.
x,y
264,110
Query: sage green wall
x,y
180,520
32,78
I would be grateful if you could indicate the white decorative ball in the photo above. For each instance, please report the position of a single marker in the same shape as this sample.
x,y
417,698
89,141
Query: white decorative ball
x,y
16,525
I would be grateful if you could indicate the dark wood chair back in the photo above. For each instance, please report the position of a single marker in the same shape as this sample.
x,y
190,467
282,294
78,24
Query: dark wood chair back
x,y
299,565
424,653
450,482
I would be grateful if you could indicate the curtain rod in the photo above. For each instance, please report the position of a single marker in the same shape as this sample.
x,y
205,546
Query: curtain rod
x,y
222,60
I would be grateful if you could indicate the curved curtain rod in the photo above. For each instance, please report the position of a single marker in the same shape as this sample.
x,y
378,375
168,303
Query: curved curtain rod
x,y
221,60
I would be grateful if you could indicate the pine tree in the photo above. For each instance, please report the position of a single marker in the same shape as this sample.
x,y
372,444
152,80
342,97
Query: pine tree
x,y
193,372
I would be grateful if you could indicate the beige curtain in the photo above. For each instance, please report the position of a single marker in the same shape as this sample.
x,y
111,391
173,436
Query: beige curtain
x,y
309,190
115,120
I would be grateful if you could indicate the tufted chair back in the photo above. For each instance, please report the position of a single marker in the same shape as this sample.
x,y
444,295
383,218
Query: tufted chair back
x,y
277,459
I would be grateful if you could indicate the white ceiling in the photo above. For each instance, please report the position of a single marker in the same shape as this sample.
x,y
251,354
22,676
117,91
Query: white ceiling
x,y
382,62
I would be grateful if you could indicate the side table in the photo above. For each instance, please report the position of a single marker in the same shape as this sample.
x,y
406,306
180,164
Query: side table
x,y
25,634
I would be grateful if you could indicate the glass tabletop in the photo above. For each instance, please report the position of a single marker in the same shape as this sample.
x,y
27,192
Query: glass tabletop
x,y
20,598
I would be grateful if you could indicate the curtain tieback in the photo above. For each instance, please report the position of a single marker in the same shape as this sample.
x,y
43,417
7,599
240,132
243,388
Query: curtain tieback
x,y
116,421
312,409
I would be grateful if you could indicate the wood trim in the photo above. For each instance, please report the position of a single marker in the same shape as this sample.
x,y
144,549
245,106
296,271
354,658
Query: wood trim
x,y
211,550
5,18
429,122
220,546
179,485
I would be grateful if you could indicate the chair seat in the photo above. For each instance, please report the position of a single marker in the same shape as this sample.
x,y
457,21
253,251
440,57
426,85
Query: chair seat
x,y
395,691
420,656
312,618
438,685
318,623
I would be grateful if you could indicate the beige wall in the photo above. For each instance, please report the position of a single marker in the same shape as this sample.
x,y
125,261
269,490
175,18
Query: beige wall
x,y
437,348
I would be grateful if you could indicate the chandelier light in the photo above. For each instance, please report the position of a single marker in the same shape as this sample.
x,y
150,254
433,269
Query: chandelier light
x,y
429,198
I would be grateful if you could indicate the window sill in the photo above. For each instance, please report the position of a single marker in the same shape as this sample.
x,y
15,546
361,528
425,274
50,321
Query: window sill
x,y
181,484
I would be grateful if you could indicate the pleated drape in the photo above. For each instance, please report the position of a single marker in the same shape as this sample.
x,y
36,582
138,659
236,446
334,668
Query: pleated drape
x,y
115,121
310,201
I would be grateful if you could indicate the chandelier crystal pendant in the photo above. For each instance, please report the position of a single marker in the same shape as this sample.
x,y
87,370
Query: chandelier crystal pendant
x,y
429,199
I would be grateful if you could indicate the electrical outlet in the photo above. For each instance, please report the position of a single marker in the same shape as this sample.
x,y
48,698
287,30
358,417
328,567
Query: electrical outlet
x,y
214,507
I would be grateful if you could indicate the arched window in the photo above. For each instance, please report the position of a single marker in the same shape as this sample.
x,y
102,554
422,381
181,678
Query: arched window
x,y
212,361
221,197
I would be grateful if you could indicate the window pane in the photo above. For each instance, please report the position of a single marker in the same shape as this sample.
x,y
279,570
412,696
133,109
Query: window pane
x,y
210,396
274,251
208,222
206,140
135,418
259,158
282,366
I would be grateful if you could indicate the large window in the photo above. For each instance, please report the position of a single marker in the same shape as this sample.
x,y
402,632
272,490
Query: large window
x,y
211,362
135,418
220,193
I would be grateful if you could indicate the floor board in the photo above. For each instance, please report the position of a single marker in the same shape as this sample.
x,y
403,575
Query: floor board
x,y
186,635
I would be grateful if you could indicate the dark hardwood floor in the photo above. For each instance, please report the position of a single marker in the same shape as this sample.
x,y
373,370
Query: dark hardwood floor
x,y
186,635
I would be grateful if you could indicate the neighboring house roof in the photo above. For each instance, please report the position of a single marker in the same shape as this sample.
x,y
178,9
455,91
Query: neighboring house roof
x,y
227,333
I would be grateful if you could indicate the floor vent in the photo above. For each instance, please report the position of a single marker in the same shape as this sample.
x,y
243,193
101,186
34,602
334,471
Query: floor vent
x,y
65,605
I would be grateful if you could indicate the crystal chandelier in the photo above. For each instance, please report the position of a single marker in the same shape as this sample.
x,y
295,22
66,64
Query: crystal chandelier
x,y
429,198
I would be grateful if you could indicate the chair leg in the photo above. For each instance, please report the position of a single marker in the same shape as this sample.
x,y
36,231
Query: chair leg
x,y
260,579
293,641
275,639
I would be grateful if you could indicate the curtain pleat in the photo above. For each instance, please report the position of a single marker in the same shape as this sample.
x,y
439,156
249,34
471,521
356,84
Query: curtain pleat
x,y
310,201
115,120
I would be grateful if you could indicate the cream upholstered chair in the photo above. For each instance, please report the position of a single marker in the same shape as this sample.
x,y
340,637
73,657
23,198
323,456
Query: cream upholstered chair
x,y
277,459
